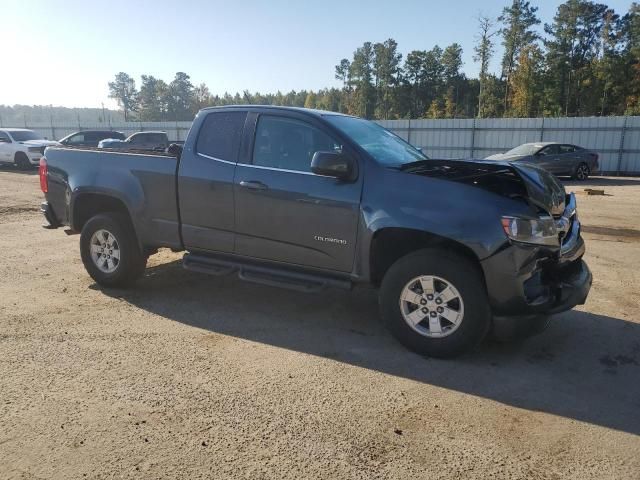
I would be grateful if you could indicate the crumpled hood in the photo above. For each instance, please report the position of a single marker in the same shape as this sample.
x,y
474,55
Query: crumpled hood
x,y
543,187
510,179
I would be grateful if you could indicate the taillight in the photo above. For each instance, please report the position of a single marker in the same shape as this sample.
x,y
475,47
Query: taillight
x,y
43,171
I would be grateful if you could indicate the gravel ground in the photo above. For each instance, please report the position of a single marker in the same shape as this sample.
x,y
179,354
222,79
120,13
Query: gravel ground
x,y
189,376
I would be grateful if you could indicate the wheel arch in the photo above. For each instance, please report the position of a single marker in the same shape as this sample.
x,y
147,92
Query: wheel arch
x,y
87,204
389,244
20,154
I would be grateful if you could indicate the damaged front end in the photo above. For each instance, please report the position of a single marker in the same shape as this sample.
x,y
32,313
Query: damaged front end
x,y
527,283
539,270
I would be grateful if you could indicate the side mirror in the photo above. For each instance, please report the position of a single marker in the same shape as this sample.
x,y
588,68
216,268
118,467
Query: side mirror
x,y
332,164
175,150
4,140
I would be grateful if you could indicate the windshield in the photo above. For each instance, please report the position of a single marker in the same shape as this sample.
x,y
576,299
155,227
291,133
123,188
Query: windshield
x,y
386,147
526,149
24,135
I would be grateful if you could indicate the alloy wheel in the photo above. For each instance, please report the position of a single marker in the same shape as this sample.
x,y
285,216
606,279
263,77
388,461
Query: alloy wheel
x,y
105,251
432,306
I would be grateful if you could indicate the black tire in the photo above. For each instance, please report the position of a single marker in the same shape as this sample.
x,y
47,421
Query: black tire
x,y
461,273
582,172
132,262
22,161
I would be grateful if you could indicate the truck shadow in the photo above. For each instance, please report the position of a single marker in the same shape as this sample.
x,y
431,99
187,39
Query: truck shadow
x,y
584,367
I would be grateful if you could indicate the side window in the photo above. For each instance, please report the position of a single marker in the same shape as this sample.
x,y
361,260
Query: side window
x,y
289,144
157,138
567,149
549,150
92,137
142,139
220,135
4,137
77,139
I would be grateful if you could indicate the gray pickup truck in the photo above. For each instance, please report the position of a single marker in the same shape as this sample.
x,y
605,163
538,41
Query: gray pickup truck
x,y
308,199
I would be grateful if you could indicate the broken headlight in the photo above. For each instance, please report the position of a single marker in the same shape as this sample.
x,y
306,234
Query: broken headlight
x,y
540,231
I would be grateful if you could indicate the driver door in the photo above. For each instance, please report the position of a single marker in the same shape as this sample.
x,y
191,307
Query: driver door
x,y
285,212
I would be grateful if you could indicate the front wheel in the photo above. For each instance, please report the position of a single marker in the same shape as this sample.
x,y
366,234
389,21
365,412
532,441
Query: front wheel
x,y
435,303
582,172
110,251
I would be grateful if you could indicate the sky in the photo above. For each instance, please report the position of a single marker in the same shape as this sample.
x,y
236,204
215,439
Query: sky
x,y
64,52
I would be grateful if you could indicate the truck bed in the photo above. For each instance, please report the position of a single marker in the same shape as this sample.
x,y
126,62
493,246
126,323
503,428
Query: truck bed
x,y
144,182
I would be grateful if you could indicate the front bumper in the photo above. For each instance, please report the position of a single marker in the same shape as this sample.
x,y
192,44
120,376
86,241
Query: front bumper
x,y
566,288
34,157
527,283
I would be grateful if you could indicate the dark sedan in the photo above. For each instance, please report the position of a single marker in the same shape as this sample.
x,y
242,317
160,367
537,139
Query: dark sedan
x,y
90,138
561,159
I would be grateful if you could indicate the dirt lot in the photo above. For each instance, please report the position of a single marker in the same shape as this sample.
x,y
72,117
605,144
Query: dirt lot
x,y
189,376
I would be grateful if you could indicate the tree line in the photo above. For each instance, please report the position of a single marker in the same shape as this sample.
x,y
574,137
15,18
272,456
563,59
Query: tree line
x,y
587,62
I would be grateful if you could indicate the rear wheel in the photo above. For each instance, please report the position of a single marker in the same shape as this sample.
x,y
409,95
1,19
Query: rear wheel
x,y
22,161
435,303
582,172
110,251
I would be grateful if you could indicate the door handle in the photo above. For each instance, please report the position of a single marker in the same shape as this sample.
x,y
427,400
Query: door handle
x,y
253,185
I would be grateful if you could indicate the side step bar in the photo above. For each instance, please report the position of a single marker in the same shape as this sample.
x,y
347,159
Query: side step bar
x,y
263,274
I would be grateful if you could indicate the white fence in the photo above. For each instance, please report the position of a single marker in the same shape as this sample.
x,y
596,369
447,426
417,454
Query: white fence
x,y
616,139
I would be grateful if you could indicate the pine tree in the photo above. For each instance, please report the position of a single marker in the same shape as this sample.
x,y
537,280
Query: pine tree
x,y
180,97
631,35
517,32
386,70
123,90
572,49
362,99
526,86
483,52
451,63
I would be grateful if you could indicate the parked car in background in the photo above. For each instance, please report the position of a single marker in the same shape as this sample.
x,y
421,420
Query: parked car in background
x,y
90,138
561,159
22,147
156,141
306,199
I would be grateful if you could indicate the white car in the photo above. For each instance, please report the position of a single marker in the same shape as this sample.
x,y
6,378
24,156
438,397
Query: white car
x,y
22,147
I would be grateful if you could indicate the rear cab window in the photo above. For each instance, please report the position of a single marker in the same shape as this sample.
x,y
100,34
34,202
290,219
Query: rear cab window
x,y
220,135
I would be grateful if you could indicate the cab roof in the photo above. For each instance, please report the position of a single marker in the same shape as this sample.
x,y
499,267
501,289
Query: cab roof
x,y
310,111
